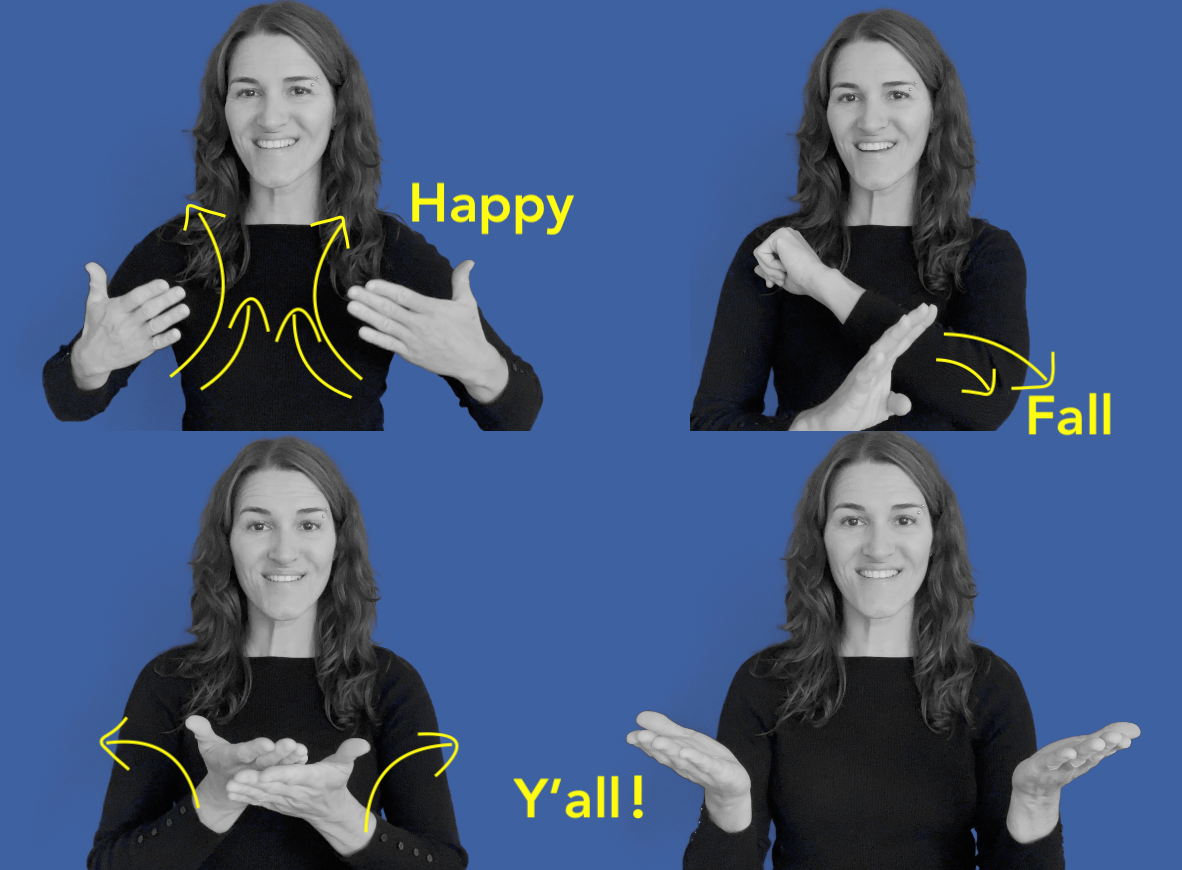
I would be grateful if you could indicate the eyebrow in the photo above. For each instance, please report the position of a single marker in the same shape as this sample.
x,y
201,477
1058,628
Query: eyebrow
x,y
858,507
250,81
854,87
267,513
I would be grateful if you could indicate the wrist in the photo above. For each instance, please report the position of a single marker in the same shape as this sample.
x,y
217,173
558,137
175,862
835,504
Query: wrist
x,y
1031,817
488,378
85,375
837,293
349,828
217,813
731,813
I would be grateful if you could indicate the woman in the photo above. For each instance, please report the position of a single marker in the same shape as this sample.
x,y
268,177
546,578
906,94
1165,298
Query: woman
x,y
285,140
886,169
283,712
877,735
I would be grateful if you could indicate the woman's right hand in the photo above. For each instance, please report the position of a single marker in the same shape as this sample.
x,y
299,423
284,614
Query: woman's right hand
x,y
703,761
864,398
125,330
224,759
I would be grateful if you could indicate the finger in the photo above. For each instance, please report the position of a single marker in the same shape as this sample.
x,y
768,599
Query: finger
x,y
98,283
164,339
161,302
387,342
351,749
142,294
897,405
253,749
173,315
1125,729
395,293
461,287
662,725
396,325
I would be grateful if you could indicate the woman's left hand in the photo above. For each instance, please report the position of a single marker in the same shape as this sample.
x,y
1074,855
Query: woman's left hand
x,y
443,336
786,260
1034,802
317,793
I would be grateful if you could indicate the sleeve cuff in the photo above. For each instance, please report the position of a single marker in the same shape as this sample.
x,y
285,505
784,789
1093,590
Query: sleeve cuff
x,y
1045,853
712,848
517,406
392,847
68,402
871,316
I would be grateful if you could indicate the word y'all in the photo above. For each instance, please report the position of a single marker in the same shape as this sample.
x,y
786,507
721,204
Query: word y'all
x,y
1072,419
464,210
580,805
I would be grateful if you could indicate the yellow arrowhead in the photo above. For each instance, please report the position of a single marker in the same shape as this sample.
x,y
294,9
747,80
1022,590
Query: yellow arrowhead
x,y
199,208
455,744
1042,386
341,228
103,742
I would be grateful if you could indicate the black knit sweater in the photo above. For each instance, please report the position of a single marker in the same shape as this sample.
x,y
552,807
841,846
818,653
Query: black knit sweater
x,y
874,787
269,386
149,822
759,330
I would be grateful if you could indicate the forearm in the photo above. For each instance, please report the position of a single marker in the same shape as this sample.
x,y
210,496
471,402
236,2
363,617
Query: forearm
x,y
1032,817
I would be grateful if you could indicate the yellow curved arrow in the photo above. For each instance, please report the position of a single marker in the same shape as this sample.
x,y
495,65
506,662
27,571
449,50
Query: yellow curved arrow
x,y
221,271
295,332
1049,380
245,329
316,286
988,387
106,745
454,743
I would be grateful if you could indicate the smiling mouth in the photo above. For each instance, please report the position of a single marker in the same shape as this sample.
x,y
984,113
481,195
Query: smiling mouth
x,y
885,574
283,578
272,144
875,146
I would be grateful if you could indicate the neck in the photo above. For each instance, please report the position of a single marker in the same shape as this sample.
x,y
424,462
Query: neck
x,y
889,637
289,639
891,207
298,203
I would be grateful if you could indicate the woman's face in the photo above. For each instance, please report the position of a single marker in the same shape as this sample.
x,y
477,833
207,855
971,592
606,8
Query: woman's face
x,y
279,109
283,541
879,115
878,537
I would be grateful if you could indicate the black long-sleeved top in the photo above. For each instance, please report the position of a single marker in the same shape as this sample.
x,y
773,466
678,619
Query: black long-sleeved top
x,y
759,330
149,822
269,386
874,787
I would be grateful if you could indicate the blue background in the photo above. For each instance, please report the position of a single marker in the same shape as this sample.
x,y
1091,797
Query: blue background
x,y
549,587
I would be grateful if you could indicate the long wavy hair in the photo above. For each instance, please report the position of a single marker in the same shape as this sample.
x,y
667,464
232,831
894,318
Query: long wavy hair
x,y
811,659
346,661
350,169
942,230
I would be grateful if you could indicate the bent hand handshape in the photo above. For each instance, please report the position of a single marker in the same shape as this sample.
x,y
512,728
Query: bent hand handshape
x,y
864,398
224,759
1058,763
125,330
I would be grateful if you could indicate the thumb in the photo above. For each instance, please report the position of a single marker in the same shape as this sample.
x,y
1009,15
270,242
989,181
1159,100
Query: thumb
x,y
897,405
351,749
98,283
201,729
461,290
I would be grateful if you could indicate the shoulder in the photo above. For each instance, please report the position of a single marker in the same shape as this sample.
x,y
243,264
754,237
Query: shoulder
x,y
396,675
754,684
997,689
760,234
992,247
157,255
159,679
410,260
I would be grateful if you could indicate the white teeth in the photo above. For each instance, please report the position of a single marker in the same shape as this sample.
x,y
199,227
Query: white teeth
x,y
282,578
875,146
878,575
274,143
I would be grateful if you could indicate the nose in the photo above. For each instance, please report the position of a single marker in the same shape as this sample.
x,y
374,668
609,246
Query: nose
x,y
283,547
873,117
272,113
878,544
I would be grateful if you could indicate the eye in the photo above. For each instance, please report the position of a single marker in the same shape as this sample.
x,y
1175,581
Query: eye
x,y
906,520
245,92
850,522
300,90
895,96
847,97
309,525
256,526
